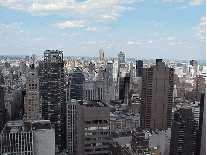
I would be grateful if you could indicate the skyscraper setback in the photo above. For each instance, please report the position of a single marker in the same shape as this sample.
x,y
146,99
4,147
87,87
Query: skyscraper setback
x,y
51,75
157,96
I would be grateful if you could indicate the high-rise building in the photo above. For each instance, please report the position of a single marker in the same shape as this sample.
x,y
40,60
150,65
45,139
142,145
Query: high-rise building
x,y
157,96
93,127
200,141
101,56
139,66
121,62
71,126
76,87
182,133
109,75
51,76
32,100
2,109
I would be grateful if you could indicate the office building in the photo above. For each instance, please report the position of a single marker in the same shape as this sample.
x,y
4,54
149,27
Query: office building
x,y
32,99
3,111
93,90
157,96
28,137
71,127
139,66
51,76
183,132
121,62
76,87
101,56
93,127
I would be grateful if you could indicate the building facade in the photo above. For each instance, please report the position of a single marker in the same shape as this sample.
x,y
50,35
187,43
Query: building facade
x,y
76,87
28,137
157,96
51,76
32,99
93,128
183,132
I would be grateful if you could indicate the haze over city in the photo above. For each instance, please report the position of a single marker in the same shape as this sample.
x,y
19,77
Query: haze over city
x,y
168,29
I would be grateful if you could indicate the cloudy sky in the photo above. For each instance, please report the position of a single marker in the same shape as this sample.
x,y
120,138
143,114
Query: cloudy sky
x,y
168,29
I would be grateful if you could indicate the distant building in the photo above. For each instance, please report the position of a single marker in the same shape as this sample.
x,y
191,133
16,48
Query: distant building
x,y
139,67
76,87
28,137
51,76
93,90
93,127
121,62
32,100
157,96
101,56
124,123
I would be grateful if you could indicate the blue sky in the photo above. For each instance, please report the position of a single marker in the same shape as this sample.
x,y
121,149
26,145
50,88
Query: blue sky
x,y
150,29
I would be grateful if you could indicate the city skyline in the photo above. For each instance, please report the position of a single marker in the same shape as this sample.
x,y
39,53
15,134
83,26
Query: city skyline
x,y
167,29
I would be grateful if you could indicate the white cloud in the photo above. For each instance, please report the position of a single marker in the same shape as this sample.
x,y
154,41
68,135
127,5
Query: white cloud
x,y
171,38
22,32
196,2
130,43
100,29
39,39
70,35
71,24
200,29
8,28
158,24
105,11
183,7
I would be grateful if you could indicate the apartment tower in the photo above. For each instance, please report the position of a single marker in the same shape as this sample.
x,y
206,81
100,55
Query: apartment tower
x,y
157,96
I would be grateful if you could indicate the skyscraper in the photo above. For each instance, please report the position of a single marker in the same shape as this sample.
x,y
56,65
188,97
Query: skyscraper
x,y
157,96
51,76
101,56
139,66
76,87
121,61
32,102
183,130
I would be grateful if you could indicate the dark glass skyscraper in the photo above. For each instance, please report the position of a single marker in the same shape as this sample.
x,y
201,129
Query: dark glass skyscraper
x,y
139,66
51,76
76,87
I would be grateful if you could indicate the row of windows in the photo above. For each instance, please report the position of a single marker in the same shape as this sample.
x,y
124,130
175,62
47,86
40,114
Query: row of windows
x,y
97,122
96,128
96,144
95,139
98,149
96,133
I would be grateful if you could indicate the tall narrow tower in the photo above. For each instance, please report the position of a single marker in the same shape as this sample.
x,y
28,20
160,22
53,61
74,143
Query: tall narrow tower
x,y
51,75
121,61
157,96
32,100
101,56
